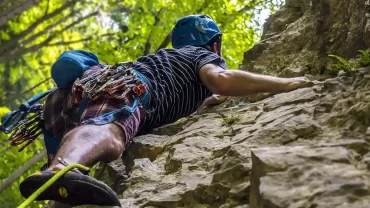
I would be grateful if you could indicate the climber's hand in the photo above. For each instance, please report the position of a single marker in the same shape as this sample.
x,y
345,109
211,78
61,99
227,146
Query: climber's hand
x,y
212,101
295,83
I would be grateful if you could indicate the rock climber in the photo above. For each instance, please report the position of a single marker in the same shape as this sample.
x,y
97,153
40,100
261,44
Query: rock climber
x,y
87,120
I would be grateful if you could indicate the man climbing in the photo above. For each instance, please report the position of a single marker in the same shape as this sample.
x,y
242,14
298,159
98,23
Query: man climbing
x,y
96,120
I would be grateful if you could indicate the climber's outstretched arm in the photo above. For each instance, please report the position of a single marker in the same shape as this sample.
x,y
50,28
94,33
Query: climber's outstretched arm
x,y
241,83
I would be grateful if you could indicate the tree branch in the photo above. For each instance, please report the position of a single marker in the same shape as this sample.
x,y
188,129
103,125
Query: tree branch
x,y
125,9
70,4
13,98
156,22
51,26
18,173
13,43
47,8
4,3
63,43
36,85
237,13
16,10
21,50
124,42
77,41
166,41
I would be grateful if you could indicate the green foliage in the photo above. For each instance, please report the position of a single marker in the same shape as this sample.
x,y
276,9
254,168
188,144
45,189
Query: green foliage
x,y
343,65
144,28
181,121
114,30
350,65
340,59
365,59
230,119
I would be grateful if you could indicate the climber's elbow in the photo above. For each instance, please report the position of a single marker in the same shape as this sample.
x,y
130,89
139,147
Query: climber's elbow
x,y
215,79
221,84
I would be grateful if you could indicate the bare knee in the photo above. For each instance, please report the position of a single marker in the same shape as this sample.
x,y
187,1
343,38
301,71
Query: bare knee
x,y
110,137
116,142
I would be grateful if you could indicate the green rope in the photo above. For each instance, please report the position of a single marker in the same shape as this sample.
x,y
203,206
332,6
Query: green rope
x,y
50,182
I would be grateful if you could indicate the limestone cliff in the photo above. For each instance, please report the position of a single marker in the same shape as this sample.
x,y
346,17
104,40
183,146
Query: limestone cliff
x,y
306,148
298,38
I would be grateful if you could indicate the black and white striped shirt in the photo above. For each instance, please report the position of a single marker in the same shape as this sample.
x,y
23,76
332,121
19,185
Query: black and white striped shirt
x,y
174,83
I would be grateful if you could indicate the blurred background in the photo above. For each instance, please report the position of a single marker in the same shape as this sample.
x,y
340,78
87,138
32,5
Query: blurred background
x,y
33,33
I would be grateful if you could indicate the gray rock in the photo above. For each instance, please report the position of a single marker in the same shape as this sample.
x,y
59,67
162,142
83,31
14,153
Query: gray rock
x,y
292,72
304,32
304,176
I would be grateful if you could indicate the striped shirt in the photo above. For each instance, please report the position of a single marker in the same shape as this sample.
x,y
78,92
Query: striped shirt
x,y
174,83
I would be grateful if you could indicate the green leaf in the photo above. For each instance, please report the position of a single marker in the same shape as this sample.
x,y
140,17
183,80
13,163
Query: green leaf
x,y
342,60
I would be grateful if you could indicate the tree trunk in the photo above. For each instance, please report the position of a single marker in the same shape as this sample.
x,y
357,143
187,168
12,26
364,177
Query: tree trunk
x,y
18,173
15,10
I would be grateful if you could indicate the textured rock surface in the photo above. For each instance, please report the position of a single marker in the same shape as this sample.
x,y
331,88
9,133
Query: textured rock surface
x,y
302,176
298,38
307,148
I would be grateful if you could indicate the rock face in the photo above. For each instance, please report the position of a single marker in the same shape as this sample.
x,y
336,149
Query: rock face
x,y
302,176
298,38
307,148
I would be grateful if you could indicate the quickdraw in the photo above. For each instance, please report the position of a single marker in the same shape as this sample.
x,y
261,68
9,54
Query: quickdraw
x,y
109,81
29,128
25,124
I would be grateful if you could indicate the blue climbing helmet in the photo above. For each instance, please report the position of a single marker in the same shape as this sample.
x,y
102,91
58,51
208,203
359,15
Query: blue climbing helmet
x,y
195,30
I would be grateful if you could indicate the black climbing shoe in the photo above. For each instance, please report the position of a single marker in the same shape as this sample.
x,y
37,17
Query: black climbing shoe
x,y
72,188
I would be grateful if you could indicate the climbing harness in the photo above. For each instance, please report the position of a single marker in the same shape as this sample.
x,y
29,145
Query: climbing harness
x,y
120,82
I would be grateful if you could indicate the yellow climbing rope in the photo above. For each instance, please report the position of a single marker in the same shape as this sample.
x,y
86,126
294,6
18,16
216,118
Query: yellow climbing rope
x,y
50,182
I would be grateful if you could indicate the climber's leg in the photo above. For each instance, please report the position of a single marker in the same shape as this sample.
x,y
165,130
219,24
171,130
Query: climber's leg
x,y
86,145
89,144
